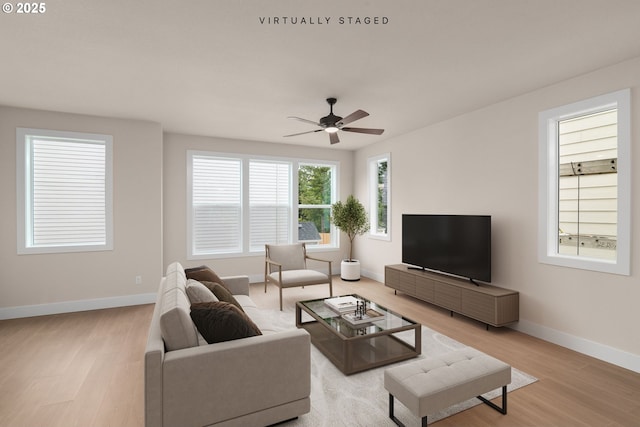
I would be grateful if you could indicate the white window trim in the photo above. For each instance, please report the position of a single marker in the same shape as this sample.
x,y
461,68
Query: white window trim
x,y
548,183
373,196
23,167
245,251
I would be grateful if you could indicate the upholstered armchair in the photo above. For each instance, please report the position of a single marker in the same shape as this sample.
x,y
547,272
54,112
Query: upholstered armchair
x,y
286,266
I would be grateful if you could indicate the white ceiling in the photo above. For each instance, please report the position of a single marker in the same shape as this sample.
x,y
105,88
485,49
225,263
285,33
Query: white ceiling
x,y
213,68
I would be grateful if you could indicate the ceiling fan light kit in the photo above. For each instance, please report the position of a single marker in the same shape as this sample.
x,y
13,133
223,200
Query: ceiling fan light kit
x,y
332,123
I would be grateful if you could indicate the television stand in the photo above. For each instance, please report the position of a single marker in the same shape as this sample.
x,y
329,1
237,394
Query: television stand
x,y
489,304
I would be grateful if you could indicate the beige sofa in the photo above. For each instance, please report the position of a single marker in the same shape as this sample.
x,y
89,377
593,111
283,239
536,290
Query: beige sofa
x,y
255,381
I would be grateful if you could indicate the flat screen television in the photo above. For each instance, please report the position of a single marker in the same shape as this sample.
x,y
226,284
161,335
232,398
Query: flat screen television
x,y
459,245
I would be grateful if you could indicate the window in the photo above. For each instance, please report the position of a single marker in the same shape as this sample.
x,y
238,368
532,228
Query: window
x,y
269,203
239,203
64,188
316,194
585,184
216,205
380,196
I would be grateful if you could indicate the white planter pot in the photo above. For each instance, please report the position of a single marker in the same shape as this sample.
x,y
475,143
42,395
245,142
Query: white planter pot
x,y
350,270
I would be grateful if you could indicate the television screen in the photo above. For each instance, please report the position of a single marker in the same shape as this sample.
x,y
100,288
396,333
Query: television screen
x,y
455,244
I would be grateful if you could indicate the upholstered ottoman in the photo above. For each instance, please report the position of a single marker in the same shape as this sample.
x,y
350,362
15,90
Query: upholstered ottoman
x,y
429,385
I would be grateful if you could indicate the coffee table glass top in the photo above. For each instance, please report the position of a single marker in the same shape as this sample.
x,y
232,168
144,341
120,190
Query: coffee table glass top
x,y
390,320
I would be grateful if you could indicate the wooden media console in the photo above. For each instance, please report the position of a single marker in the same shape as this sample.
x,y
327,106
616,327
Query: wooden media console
x,y
489,304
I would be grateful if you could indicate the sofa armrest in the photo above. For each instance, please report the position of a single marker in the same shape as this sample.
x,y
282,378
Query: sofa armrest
x,y
153,361
221,381
237,285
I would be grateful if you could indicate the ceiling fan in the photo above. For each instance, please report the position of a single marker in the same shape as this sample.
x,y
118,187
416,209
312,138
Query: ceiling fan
x,y
332,123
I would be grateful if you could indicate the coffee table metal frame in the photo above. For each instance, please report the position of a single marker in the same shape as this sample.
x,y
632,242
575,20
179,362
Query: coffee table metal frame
x,y
356,348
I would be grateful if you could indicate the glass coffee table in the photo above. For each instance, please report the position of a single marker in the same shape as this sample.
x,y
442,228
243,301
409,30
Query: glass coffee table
x,y
357,347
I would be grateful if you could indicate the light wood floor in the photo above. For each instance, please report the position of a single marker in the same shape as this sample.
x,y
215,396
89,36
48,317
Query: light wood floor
x,y
86,369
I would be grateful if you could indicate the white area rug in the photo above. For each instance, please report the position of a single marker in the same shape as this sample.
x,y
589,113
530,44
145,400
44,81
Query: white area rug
x,y
361,399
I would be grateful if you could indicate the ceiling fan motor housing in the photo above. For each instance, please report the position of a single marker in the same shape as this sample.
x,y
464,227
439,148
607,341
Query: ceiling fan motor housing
x,y
331,119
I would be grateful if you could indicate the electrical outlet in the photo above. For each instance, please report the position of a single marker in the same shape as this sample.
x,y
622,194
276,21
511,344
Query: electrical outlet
x,y
138,280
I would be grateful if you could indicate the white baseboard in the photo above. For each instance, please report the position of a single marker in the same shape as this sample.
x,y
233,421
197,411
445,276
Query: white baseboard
x,y
373,276
600,351
256,278
73,306
603,352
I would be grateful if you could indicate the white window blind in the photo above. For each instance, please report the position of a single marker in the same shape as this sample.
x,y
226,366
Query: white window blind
x,y
269,203
216,205
64,191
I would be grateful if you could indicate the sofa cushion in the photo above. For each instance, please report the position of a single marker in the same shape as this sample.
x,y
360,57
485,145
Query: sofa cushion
x,y
245,301
262,319
203,273
197,292
176,327
222,321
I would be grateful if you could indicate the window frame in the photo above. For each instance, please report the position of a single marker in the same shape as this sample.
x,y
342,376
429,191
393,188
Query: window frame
x,y
548,221
24,190
373,163
245,226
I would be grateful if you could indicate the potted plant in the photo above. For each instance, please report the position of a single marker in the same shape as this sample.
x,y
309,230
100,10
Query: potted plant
x,y
351,218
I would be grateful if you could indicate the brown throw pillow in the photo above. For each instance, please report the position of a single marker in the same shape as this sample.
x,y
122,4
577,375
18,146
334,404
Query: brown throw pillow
x,y
203,274
223,294
221,321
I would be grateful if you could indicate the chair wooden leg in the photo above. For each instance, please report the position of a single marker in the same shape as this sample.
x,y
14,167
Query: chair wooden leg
x,y
266,271
280,299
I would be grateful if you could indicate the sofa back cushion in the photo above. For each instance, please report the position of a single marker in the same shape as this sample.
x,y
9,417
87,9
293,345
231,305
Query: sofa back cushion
x,y
176,326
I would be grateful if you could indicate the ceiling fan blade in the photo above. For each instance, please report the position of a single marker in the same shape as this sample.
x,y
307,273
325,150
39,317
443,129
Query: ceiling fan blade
x,y
333,137
364,130
304,120
302,133
356,115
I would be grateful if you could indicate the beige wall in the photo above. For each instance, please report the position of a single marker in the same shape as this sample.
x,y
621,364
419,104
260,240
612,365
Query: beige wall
x,y
175,195
483,162
32,280
486,162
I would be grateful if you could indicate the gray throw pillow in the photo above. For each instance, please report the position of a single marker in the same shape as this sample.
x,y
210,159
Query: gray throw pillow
x,y
197,292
